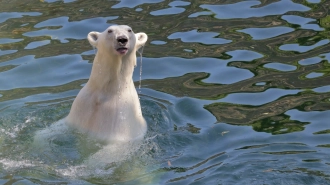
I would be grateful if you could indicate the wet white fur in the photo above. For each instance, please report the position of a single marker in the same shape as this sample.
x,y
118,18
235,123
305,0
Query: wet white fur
x,y
108,107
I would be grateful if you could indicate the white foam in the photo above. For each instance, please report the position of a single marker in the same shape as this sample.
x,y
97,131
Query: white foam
x,y
14,164
98,162
44,135
12,132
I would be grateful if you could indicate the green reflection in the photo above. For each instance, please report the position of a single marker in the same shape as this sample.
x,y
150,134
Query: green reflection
x,y
280,124
325,22
323,132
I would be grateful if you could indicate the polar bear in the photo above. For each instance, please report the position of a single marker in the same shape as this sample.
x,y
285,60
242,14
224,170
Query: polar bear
x,y
108,107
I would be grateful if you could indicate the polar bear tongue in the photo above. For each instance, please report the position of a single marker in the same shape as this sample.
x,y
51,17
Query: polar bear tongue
x,y
122,50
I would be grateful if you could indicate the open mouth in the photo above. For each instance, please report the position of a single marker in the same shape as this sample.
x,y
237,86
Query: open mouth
x,y
122,50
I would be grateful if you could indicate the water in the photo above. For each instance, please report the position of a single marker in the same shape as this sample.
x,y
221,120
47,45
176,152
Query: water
x,y
233,92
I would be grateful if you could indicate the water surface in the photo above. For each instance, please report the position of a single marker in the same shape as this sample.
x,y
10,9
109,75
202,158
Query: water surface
x,y
233,92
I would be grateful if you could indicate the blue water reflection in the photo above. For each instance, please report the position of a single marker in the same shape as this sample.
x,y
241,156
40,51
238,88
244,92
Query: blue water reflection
x,y
244,55
246,9
265,33
260,99
280,66
68,29
322,89
304,23
302,49
173,10
200,37
326,56
36,44
314,75
158,42
170,67
6,52
16,78
310,61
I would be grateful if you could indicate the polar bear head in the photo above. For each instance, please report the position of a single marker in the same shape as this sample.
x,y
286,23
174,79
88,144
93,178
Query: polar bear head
x,y
117,39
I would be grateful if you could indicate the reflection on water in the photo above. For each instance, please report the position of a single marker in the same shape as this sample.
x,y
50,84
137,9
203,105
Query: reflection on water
x,y
233,92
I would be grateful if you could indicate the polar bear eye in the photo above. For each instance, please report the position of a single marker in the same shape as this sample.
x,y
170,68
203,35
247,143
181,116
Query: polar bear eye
x,y
129,30
109,31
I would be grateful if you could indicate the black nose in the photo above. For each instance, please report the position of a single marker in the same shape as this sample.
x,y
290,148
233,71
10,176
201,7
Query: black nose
x,y
122,40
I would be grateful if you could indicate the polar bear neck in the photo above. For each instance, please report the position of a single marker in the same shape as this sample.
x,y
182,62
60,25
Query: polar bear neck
x,y
110,71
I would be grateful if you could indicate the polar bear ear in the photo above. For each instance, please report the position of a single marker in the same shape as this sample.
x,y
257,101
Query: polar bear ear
x,y
93,38
141,39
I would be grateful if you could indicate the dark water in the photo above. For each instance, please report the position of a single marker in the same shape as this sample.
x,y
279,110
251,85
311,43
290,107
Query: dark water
x,y
234,92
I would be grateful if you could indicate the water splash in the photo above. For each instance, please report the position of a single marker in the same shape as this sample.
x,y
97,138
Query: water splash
x,y
94,48
140,51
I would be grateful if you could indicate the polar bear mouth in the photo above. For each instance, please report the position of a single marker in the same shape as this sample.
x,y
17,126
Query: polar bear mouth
x,y
122,50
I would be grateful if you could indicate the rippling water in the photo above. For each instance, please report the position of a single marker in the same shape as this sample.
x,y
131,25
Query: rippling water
x,y
234,92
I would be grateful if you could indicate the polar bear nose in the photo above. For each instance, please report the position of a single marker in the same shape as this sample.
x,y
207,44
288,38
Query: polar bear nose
x,y
122,40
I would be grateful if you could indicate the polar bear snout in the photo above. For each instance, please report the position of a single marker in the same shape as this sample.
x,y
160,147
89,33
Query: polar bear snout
x,y
122,40
121,44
